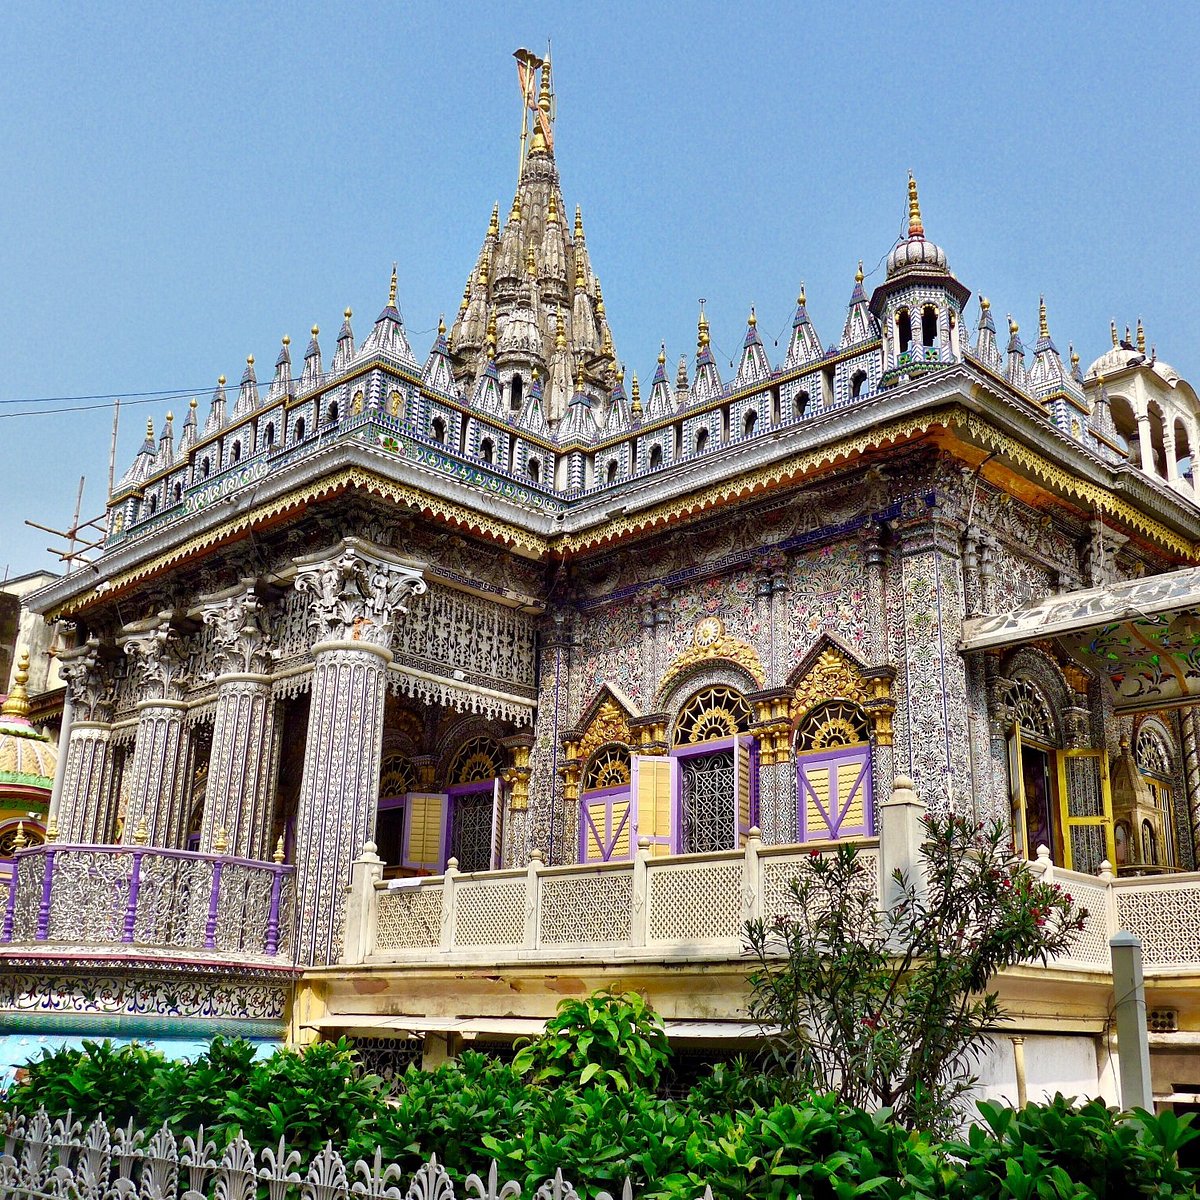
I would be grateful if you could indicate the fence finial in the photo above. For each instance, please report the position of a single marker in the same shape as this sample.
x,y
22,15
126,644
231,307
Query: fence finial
x,y
279,854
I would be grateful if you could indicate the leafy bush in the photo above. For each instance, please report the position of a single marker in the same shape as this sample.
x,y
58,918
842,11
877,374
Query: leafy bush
x,y
733,1086
612,1039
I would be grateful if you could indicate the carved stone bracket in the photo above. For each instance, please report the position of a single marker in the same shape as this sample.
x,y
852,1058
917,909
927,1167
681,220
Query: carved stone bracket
x,y
89,680
356,595
241,639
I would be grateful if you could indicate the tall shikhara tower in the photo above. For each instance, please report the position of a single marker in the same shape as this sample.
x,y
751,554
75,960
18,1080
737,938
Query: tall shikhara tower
x,y
532,311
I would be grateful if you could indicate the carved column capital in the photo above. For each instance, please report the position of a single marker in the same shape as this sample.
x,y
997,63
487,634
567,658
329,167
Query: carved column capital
x,y
159,661
89,680
241,639
356,595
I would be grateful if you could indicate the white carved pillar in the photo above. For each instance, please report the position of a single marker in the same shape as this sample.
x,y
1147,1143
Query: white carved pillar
x,y
155,808
238,793
357,592
84,811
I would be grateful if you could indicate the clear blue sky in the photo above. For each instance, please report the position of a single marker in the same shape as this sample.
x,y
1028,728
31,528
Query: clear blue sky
x,y
183,184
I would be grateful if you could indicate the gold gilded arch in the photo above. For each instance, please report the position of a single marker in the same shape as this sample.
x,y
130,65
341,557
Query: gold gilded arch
x,y
606,723
710,643
834,675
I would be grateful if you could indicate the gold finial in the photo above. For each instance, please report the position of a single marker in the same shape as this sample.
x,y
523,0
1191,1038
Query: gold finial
x,y
1128,336
20,841
494,222
662,354
441,325
1043,324
858,275
141,835
702,338
17,704
249,360
535,374
170,418
579,376
580,281
802,299
752,320
1112,326
485,268
150,427
599,296
220,381
287,339
1141,337
1013,327
915,228
560,332
491,334
606,343
52,829
392,289
635,404
984,303
514,213
347,313
221,841
192,403
578,224
530,262
552,208
278,855
315,330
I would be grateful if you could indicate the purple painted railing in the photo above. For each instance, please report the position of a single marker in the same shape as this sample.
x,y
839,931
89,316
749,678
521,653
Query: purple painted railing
x,y
145,896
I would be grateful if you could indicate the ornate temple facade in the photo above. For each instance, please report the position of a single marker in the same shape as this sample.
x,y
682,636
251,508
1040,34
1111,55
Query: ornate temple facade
x,y
408,695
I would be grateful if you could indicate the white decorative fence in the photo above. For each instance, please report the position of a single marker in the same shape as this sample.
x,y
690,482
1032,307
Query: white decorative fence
x,y
684,904
46,1160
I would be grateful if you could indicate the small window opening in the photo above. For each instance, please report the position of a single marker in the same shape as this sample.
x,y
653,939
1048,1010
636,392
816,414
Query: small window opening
x,y
800,403
439,429
655,457
333,411
269,435
904,330
518,393
534,470
857,383
300,430
749,421
153,505
236,455
178,493
701,440
929,328
487,451
610,472
205,468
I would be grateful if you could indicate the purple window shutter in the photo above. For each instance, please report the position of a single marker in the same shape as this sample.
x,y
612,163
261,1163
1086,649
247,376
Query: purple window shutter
x,y
834,794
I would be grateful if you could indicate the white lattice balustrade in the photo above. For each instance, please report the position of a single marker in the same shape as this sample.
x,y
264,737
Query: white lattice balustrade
x,y
591,908
695,902
409,918
1165,914
489,912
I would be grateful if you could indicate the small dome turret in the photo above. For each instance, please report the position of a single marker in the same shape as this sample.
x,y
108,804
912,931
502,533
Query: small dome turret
x,y
916,251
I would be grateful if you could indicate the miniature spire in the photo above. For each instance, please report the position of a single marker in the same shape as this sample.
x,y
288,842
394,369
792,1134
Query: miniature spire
x,y
494,222
1141,338
1076,371
216,414
560,332
388,336
247,400
579,238
661,401
1112,325
552,208
619,414
805,346
753,367
533,417
1048,377
860,325
915,228
530,262
345,343
190,427
543,119
17,703
635,402
438,372
1043,326
310,375
281,385
1015,371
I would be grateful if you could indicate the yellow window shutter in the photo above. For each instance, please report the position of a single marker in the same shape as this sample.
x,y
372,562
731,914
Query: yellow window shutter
x,y
655,787
1085,809
425,831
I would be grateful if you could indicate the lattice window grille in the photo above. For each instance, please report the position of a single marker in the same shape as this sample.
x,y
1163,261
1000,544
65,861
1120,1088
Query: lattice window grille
x,y
477,760
1031,712
471,832
712,713
608,767
707,816
1154,754
491,914
396,776
388,1057
832,725
592,908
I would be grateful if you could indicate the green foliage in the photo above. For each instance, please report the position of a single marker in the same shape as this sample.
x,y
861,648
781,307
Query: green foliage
x,y
610,1039
733,1086
890,1008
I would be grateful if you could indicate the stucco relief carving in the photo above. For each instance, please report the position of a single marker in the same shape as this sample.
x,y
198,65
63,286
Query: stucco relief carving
x,y
240,637
355,597
159,661
89,681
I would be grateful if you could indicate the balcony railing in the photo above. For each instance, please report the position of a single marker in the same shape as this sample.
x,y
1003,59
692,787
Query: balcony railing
x,y
144,897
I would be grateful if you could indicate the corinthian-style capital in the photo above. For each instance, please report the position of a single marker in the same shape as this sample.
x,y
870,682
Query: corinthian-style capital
x,y
240,636
356,596
159,661
89,681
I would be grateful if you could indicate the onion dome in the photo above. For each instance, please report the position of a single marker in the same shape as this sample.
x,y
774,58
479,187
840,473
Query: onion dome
x,y
916,252
27,757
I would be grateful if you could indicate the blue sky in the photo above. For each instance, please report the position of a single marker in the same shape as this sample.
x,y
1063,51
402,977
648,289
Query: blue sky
x,y
184,184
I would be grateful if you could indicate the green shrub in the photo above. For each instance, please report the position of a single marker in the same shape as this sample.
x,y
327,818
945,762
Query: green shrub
x,y
611,1039
733,1086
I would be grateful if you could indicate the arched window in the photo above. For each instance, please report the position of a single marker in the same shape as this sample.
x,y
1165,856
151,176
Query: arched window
x,y
236,454
833,773
712,713
1149,845
473,814
857,382
904,331
655,457
533,469
269,434
178,492
701,440
606,816
300,429
1125,425
438,429
1183,451
487,450
153,505
518,393
607,768
332,414
476,761
749,421
205,468
929,326
1155,756
1033,771
800,403
610,472
1156,459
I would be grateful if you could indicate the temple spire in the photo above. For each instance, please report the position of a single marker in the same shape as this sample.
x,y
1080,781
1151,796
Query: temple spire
x,y
915,227
17,702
